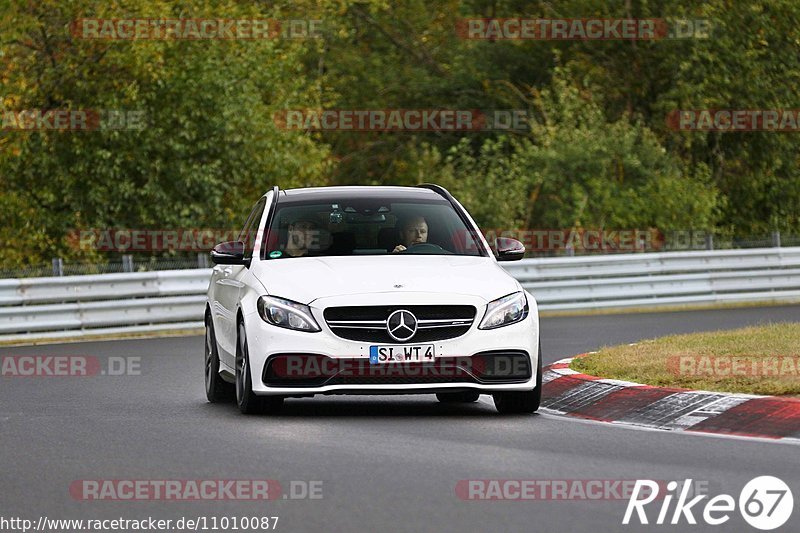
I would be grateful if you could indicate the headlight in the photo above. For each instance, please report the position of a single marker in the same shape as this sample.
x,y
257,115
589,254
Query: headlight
x,y
286,314
504,311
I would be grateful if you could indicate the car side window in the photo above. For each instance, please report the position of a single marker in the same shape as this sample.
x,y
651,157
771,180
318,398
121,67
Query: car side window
x,y
250,231
247,223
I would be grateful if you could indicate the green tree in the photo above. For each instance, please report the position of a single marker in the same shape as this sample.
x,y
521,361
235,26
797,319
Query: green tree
x,y
209,146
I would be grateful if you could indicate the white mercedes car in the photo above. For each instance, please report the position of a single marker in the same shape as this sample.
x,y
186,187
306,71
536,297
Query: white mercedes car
x,y
368,290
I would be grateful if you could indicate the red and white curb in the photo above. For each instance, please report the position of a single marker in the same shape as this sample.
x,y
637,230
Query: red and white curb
x,y
570,393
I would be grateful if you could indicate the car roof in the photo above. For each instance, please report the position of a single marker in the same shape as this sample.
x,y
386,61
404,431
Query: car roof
x,y
357,192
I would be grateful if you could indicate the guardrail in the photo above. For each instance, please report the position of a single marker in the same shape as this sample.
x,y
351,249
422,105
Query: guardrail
x,y
75,306
661,279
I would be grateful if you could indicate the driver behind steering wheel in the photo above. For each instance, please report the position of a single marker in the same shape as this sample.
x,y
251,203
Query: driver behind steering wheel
x,y
412,231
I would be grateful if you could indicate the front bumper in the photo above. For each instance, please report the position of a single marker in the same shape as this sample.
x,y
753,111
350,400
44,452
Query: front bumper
x,y
347,369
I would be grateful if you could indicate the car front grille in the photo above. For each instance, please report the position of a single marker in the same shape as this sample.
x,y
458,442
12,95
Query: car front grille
x,y
368,323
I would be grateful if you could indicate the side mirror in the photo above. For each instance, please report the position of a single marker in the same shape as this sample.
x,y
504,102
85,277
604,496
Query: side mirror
x,y
228,253
509,249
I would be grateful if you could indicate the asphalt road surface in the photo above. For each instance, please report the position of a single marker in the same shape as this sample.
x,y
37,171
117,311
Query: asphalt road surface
x,y
385,462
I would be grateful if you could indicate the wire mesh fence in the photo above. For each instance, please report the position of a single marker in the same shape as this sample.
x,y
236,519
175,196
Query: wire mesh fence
x,y
124,264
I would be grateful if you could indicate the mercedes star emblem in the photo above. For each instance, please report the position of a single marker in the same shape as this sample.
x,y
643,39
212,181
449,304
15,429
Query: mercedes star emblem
x,y
401,325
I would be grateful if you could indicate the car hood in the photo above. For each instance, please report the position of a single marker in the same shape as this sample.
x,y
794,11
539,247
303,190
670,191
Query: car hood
x,y
305,279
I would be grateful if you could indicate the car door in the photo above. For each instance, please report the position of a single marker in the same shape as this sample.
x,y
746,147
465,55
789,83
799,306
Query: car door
x,y
228,285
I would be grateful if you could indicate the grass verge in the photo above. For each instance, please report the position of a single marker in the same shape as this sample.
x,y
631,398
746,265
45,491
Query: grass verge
x,y
754,360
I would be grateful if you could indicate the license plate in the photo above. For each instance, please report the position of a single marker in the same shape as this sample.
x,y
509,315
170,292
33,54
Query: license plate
x,y
416,353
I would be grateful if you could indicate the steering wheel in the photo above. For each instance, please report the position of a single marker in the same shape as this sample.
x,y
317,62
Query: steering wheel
x,y
425,248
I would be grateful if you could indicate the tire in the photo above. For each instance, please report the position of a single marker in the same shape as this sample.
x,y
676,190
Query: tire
x,y
524,402
249,403
217,389
457,397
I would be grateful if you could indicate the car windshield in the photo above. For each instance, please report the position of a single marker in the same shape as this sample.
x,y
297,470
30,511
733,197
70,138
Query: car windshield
x,y
368,226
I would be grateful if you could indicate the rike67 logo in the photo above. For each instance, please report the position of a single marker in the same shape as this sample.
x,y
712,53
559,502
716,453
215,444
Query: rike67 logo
x,y
765,503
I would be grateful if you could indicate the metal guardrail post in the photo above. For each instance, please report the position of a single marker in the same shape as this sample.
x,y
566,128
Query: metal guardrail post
x,y
127,263
776,239
709,241
202,260
58,266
